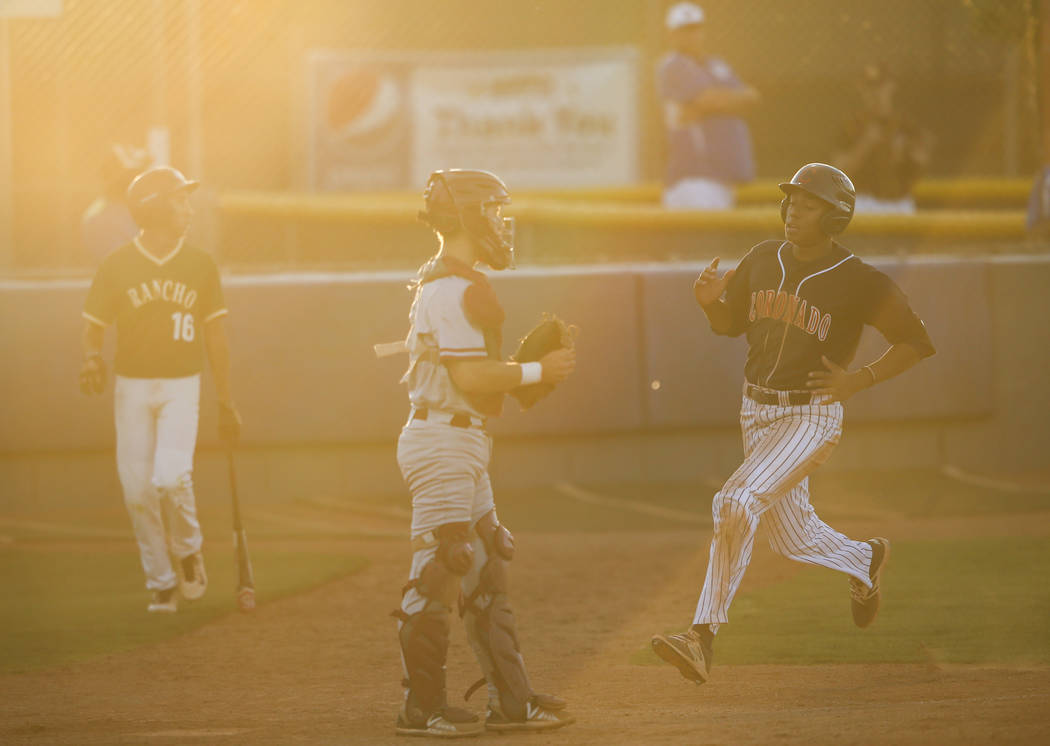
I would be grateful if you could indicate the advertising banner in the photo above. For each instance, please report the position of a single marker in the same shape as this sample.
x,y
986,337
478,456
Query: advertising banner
x,y
538,118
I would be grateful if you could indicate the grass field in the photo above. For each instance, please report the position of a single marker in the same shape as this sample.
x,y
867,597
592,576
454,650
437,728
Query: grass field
x,y
70,605
964,600
957,601
960,652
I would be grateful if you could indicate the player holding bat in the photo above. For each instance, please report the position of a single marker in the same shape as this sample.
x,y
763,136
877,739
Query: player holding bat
x,y
164,298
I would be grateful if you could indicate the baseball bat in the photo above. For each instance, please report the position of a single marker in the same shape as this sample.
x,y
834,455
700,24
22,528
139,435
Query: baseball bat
x,y
245,579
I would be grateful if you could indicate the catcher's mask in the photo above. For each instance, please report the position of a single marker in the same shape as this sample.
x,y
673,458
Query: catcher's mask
x,y
455,198
149,196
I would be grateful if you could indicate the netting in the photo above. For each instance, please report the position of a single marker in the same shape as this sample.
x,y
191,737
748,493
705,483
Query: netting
x,y
224,87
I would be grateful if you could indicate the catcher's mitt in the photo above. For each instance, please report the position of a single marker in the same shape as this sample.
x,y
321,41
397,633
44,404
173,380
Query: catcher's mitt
x,y
550,334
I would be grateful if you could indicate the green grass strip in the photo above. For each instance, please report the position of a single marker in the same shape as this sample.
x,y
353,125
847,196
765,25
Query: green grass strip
x,y
958,601
62,607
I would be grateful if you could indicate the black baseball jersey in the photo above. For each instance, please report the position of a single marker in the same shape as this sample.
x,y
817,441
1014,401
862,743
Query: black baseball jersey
x,y
794,312
160,307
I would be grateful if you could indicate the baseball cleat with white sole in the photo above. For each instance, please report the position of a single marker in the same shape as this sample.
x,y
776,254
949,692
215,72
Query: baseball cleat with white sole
x,y
864,601
193,580
163,602
448,722
689,652
542,712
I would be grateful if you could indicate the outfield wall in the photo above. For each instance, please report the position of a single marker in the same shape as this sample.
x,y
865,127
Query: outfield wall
x,y
655,395
366,232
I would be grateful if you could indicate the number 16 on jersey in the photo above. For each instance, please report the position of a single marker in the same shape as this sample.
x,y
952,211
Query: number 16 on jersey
x,y
183,323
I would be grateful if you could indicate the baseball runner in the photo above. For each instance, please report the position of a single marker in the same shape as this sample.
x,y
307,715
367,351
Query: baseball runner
x,y
460,552
162,296
802,303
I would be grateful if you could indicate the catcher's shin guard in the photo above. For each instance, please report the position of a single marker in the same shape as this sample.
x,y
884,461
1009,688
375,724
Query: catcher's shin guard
x,y
425,612
424,649
491,628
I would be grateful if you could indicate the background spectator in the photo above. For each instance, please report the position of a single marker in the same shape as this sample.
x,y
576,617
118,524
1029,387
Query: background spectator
x,y
708,143
107,224
884,152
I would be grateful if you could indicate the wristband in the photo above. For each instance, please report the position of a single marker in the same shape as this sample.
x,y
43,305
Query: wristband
x,y
871,373
531,373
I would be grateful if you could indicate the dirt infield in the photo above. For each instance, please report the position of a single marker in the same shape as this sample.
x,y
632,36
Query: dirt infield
x,y
323,668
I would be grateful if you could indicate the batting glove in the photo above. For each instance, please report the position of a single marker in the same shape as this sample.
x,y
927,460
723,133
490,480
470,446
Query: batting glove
x,y
93,375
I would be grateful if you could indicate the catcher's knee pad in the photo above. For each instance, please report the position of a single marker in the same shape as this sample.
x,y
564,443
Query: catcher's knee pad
x,y
498,544
491,626
439,580
424,650
495,536
454,550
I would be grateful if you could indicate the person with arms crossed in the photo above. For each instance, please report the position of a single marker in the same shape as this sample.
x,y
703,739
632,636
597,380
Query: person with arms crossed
x,y
802,304
708,142
461,553
162,295
107,223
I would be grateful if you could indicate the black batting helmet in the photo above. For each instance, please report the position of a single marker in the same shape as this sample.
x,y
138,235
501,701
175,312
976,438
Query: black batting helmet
x,y
150,192
828,184
455,198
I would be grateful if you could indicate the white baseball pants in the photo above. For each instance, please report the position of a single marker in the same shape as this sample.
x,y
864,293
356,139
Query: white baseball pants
x,y
783,445
446,470
699,194
156,422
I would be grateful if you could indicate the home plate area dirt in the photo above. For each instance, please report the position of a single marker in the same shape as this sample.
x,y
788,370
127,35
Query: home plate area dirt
x,y
323,667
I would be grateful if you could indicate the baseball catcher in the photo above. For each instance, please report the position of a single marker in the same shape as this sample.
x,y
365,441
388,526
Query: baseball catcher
x,y
457,379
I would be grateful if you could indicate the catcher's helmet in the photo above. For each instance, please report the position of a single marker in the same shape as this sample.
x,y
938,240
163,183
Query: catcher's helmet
x,y
455,198
149,195
828,184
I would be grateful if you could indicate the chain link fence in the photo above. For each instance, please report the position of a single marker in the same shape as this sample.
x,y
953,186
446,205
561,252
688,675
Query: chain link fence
x,y
219,89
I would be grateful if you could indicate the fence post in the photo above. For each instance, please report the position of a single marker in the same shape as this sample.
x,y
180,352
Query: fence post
x,y
7,248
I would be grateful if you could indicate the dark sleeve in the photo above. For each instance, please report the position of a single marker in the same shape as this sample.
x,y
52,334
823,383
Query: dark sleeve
x,y
889,312
102,301
213,304
738,296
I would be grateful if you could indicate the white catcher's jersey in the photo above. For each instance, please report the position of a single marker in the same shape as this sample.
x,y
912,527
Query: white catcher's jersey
x,y
440,331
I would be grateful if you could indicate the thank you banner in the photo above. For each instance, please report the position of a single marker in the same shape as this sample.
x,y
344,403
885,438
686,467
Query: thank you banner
x,y
538,119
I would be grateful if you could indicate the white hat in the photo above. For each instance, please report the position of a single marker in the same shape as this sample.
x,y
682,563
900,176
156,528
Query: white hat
x,y
684,14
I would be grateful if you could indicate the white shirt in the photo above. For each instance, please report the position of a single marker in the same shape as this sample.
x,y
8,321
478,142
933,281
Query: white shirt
x,y
440,331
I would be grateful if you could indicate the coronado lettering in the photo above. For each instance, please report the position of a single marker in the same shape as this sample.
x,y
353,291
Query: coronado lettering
x,y
782,306
165,290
